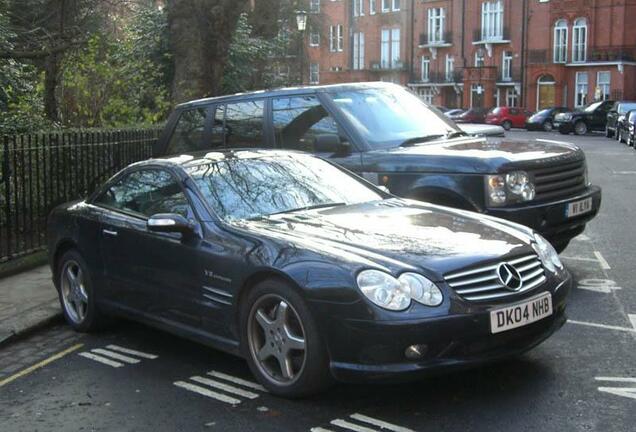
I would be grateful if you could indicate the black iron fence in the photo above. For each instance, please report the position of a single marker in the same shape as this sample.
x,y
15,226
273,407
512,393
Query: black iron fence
x,y
41,171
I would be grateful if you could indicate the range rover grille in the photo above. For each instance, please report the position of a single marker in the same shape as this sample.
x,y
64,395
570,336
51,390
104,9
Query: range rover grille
x,y
559,181
483,283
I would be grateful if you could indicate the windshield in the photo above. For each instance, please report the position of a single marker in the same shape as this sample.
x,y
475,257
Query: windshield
x,y
623,108
251,188
543,113
592,107
387,117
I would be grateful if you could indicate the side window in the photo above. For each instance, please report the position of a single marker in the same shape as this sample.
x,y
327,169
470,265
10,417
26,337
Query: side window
x,y
238,125
188,133
147,192
299,120
514,111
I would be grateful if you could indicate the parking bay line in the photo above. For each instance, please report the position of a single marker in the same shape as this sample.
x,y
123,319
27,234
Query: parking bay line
x,y
115,356
131,352
236,380
351,426
100,359
206,392
40,364
605,326
225,387
379,423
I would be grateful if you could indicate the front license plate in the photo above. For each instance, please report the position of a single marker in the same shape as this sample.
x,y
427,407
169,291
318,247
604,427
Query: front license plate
x,y
578,207
521,314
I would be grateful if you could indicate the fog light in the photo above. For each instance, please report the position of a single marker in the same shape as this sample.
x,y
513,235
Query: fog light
x,y
415,352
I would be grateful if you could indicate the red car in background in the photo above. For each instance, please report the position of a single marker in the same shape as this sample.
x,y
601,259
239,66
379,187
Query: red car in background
x,y
472,115
507,117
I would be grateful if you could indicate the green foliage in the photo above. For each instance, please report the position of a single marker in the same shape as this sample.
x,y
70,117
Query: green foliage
x,y
119,81
252,60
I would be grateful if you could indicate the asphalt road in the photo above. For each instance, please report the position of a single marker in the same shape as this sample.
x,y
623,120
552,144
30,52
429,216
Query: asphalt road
x,y
581,379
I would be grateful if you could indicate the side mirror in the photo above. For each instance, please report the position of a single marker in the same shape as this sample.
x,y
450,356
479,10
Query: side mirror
x,y
330,143
170,223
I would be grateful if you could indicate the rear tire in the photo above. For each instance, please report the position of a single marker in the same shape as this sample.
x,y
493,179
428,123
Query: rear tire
x,y
76,293
506,125
548,126
608,133
580,128
275,323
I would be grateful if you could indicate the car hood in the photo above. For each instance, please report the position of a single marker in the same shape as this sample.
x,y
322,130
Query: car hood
x,y
469,155
397,235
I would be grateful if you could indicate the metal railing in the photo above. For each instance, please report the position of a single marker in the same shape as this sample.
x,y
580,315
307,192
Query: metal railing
x,y
41,171
447,38
478,36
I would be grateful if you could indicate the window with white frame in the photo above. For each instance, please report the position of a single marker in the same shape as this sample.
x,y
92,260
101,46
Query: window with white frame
x,y
371,7
314,6
314,37
506,66
358,8
603,80
390,48
450,67
560,54
435,25
479,58
386,5
426,68
358,51
336,38
512,97
426,94
314,73
579,40
492,20
580,98
396,5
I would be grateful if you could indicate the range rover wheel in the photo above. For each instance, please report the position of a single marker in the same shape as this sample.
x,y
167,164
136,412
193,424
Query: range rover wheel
x,y
608,133
75,290
580,128
548,126
506,125
281,341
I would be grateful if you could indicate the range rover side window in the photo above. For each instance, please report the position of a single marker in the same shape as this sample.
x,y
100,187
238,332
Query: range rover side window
x,y
298,120
145,193
239,125
188,133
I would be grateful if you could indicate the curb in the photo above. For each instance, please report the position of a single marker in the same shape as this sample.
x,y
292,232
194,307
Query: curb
x,y
36,318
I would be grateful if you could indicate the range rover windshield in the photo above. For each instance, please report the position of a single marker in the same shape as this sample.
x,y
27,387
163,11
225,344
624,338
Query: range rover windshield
x,y
392,116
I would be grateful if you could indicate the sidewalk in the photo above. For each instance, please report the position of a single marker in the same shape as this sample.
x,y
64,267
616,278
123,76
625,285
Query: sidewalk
x,y
27,300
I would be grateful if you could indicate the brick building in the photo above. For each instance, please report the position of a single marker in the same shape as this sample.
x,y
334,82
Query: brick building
x,y
462,53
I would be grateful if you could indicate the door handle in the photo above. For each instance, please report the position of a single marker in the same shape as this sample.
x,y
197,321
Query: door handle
x,y
110,232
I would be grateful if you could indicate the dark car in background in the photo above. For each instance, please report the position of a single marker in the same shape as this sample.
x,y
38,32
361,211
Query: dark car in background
x,y
388,135
544,119
630,128
591,118
308,272
615,115
471,115
506,117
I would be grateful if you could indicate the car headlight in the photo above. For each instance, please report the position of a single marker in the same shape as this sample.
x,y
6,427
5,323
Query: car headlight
x,y
547,254
509,188
396,294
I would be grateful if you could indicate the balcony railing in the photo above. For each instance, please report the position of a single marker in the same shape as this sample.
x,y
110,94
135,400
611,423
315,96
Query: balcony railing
x,y
442,77
479,37
612,53
447,39
396,66
485,73
514,75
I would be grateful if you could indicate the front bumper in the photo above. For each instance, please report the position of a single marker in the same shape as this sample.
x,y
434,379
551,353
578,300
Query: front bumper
x,y
549,219
375,350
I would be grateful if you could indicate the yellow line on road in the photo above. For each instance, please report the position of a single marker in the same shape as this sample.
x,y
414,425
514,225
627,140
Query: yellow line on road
x,y
40,364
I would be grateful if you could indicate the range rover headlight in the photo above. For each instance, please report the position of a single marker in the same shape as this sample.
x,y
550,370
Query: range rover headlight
x,y
547,254
509,188
396,294
384,290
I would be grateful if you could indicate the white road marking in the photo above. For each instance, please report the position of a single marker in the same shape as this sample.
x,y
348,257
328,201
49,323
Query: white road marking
x,y
616,379
577,258
100,359
632,319
351,426
609,327
598,285
382,424
226,387
624,172
132,352
235,380
206,392
319,429
602,261
582,237
116,356
629,392
553,141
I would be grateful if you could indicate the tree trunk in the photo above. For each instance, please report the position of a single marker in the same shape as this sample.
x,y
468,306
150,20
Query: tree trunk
x,y
200,35
51,71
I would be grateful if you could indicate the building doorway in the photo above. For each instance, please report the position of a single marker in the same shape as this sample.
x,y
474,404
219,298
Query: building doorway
x,y
546,93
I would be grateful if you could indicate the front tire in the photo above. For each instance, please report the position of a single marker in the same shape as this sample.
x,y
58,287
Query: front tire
x,y
580,128
548,126
281,342
506,125
76,293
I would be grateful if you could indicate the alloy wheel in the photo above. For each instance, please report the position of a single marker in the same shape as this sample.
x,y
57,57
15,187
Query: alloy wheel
x,y
547,126
276,339
580,128
73,289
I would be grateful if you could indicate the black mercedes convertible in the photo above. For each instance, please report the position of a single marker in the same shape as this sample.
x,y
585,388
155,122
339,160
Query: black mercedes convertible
x,y
304,269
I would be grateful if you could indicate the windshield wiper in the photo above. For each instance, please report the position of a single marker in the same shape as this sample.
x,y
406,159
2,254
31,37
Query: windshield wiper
x,y
421,139
311,207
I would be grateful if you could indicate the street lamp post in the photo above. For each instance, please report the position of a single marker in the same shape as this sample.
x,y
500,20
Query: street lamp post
x,y
301,23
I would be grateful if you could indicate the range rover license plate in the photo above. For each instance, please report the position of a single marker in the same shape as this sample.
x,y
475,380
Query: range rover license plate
x,y
521,314
577,208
